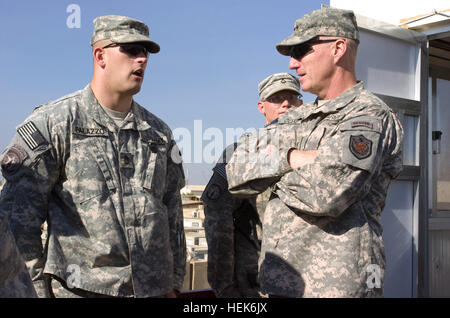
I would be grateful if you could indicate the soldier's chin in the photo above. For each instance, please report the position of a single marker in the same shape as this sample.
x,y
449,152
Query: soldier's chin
x,y
134,90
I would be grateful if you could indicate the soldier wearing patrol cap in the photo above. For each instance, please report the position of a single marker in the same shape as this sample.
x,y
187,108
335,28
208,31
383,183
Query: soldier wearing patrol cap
x,y
106,175
278,93
338,155
233,225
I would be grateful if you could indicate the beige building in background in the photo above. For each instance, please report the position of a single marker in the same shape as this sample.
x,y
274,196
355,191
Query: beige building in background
x,y
197,248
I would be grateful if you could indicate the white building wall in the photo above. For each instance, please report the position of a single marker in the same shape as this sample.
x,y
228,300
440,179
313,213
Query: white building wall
x,y
391,11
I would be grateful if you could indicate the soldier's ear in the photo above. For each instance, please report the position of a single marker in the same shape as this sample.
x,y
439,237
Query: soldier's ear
x,y
99,56
261,107
339,49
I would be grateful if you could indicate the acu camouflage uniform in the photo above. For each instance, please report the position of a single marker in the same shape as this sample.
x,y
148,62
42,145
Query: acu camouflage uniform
x,y
15,281
322,228
109,194
233,231
233,225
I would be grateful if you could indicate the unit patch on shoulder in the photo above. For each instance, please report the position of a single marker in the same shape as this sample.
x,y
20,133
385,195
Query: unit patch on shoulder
x,y
13,159
360,146
31,135
213,192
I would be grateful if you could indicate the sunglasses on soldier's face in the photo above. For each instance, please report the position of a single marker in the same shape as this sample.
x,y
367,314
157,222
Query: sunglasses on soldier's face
x,y
298,51
278,99
132,49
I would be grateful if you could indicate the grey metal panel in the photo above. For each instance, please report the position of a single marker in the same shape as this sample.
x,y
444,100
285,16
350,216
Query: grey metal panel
x,y
423,282
387,66
406,106
409,173
440,263
397,220
403,85
441,159
439,224
409,112
411,139
440,214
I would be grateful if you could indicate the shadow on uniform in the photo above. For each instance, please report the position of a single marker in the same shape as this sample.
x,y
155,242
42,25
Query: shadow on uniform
x,y
347,221
15,282
71,217
282,272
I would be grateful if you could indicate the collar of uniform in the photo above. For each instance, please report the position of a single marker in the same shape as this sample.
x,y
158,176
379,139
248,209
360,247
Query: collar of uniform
x,y
296,113
137,115
273,122
137,119
339,102
95,111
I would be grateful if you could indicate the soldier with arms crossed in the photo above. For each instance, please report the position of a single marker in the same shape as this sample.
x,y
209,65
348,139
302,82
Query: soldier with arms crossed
x,y
233,225
330,162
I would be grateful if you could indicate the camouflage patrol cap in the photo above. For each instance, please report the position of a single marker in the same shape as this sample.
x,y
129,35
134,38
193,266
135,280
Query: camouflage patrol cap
x,y
325,21
121,29
276,83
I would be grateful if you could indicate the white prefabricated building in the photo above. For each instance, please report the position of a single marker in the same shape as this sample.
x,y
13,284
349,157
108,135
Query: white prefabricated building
x,y
404,58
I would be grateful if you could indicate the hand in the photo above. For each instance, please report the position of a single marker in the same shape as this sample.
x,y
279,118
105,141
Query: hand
x,y
299,158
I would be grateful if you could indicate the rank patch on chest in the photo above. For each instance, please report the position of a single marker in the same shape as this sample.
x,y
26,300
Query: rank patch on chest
x,y
126,160
31,135
360,146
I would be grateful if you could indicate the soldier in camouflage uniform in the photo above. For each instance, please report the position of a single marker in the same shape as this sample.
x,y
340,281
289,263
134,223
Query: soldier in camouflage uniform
x,y
14,278
106,175
233,225
330,163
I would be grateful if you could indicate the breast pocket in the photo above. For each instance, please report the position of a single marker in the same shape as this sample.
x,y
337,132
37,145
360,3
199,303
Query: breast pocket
x,y
313,141
360,143
154,180
88,174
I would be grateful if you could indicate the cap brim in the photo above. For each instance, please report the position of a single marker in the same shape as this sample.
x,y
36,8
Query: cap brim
x,y
284,47
279,89
151,46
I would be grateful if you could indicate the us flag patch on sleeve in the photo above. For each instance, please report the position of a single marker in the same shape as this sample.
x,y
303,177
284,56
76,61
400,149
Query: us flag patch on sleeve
x,y
31,135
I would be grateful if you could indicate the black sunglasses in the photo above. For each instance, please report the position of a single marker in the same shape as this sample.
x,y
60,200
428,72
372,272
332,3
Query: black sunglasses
x,y
278,99
298,51
132,49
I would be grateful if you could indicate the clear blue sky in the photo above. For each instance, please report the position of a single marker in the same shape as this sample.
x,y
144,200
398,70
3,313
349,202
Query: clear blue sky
x,y
213,55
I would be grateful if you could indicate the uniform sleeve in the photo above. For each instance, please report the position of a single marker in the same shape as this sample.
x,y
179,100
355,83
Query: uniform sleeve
x,y
345,167
172,199
259,161
30,169
15,281
219,205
